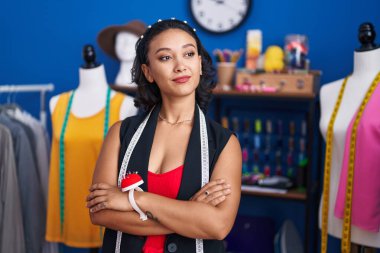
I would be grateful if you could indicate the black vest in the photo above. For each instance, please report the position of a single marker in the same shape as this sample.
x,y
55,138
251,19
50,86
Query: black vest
x,y
190,183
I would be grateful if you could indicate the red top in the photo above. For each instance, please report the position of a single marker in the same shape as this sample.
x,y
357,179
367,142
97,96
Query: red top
x,y
165,184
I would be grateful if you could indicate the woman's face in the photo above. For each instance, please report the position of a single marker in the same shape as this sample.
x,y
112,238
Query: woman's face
x,y
174,63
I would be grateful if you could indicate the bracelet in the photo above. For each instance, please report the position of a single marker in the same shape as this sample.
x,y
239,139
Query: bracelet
x,y
143,216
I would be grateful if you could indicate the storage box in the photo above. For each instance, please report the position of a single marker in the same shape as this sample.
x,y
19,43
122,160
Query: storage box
x,y
306,84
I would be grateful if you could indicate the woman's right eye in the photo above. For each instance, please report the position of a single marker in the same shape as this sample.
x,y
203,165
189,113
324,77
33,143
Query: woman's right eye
x,y
164,58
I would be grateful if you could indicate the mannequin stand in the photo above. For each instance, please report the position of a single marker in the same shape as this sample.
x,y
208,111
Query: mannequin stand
x,y
94,250
362,249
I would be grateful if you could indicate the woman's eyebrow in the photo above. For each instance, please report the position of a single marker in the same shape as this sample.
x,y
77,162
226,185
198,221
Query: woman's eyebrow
x,y
168,49
162,49
188,45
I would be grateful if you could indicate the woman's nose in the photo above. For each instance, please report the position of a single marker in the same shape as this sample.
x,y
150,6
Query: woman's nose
x,y
180,67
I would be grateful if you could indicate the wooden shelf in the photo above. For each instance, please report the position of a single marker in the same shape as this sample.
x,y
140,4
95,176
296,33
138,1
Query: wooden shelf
x,y
292,194
232,93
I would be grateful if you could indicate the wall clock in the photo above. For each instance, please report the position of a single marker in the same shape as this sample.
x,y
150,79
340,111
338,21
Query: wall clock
x,y
220,16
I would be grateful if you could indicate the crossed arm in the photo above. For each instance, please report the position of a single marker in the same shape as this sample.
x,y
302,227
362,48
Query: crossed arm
x,y
203,216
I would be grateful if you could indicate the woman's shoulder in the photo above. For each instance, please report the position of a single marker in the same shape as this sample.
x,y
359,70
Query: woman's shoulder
x,y
218,136
217,127
131,120
218,133
129,123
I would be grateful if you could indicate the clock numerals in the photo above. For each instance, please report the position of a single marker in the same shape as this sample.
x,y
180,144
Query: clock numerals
x,y
219,16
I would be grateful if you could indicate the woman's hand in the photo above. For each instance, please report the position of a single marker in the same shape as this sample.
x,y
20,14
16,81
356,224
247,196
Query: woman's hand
x,y
104,196
213,193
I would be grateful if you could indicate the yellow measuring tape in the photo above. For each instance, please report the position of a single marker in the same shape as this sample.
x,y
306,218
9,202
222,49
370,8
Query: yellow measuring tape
x,y
346,233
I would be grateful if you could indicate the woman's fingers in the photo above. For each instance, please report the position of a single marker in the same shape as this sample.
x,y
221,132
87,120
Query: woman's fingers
x,y
96,201
104,196
216,194
218,200
202,191
96,193
98,207
213,193
100,186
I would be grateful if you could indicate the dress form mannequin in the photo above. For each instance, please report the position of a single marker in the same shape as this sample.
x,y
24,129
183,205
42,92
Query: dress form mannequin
x,y
366,67
125,51
82,132
90,94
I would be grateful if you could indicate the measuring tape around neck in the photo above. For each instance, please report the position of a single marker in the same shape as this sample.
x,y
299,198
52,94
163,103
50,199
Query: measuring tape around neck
x,y
204,165
346,233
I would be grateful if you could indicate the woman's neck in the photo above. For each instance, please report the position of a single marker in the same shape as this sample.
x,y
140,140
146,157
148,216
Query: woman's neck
x,y
174,111
92,79
366,63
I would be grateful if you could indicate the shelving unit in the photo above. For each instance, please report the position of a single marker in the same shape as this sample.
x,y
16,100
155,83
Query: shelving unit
x,y
309,102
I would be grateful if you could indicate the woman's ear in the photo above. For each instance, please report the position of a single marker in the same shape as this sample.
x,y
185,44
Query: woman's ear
x,y
146,72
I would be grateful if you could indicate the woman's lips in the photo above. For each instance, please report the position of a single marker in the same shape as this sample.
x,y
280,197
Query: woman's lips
x,y
182,79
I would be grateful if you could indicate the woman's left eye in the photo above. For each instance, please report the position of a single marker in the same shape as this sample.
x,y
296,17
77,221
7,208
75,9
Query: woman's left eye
x,y
190,54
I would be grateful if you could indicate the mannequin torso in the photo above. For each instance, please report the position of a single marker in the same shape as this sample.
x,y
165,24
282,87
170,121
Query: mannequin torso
x,y
366,67
90,96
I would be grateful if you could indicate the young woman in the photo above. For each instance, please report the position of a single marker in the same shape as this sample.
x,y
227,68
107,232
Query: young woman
x,y
190,165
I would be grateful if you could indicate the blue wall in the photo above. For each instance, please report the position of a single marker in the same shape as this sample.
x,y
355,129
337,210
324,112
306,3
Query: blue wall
x,y
41,41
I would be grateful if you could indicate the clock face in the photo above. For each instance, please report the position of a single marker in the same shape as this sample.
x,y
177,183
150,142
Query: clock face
x,y
219,16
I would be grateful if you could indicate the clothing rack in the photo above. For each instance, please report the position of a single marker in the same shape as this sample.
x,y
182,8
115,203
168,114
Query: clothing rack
x,y
42,88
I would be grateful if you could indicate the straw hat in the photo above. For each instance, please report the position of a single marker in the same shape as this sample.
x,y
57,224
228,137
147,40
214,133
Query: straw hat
x,y
106,37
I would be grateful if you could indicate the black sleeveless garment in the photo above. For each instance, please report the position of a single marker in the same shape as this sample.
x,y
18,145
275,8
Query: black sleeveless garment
x,y
190,184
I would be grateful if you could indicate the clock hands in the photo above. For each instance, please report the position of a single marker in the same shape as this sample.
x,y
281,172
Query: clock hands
x,y
224,2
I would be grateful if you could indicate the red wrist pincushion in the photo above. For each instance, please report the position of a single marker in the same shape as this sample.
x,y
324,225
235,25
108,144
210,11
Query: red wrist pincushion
x,y
131,181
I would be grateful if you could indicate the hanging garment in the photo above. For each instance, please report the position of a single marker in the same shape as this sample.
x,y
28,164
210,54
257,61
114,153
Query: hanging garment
x,y
32,201
41,152
42,148
366,188
11,226
82,144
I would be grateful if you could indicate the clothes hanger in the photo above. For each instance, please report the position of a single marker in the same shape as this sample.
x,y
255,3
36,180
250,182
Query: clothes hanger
x,y
11,106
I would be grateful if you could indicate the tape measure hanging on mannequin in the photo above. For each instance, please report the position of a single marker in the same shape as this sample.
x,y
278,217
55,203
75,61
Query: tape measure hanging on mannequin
x,y
346,232
326,178
62,152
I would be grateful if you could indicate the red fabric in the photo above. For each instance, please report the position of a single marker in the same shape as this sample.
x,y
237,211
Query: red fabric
x,y
165,184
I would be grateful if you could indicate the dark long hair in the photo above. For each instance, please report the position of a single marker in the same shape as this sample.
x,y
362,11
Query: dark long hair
x,y
148,94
